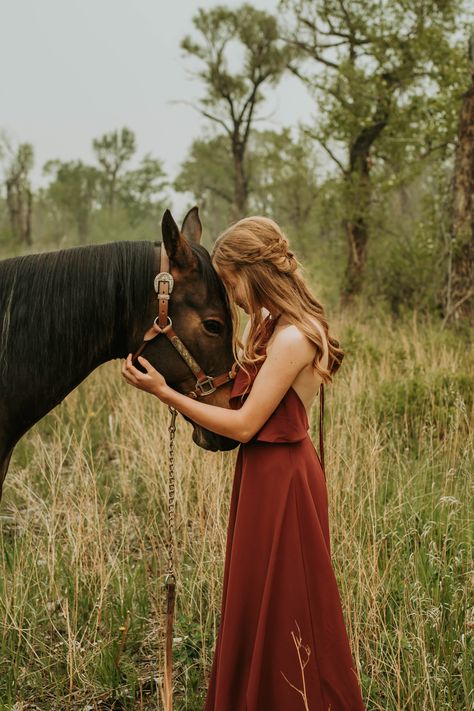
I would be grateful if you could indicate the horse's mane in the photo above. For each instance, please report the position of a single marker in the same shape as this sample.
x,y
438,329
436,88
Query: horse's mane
x,y
80,294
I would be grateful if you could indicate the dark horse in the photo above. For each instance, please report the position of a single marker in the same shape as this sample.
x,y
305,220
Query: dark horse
x,y
64,313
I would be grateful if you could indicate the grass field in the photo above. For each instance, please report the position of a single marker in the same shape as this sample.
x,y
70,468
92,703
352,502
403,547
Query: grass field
x,y
84,513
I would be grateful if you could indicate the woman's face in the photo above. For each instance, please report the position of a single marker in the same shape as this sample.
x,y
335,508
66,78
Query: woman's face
x,y
235,285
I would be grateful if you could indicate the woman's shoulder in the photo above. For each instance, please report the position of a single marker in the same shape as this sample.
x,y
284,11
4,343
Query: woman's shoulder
x,y
291,335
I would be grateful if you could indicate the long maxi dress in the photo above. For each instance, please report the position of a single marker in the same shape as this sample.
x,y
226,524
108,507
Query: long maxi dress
x,y
282,644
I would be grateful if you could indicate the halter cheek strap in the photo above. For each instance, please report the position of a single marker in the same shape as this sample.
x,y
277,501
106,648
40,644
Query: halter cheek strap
x,y
163,284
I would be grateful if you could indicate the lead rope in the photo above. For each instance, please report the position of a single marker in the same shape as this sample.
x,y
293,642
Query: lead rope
x,y
321,423
170,580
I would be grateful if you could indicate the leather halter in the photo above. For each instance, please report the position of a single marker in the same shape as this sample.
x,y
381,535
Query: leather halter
x,y
163,284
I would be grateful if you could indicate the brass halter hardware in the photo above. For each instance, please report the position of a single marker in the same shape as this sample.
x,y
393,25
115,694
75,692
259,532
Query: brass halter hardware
x,y
164,284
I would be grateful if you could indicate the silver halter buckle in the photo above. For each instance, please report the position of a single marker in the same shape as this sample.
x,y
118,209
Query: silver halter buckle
x,y
164,276
207,381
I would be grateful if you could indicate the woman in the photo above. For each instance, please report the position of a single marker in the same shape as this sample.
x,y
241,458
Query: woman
x,y
282,643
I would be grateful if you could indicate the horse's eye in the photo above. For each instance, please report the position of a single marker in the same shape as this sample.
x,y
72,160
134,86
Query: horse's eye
x,y
213,326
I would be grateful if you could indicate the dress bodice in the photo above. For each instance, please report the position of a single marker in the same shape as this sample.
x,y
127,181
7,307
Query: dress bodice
x,y
289,421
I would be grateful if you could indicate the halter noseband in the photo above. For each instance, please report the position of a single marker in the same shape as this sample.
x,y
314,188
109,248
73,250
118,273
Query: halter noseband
x,y
163,284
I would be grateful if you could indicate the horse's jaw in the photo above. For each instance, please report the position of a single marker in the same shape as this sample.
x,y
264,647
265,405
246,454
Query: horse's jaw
x,y
211,441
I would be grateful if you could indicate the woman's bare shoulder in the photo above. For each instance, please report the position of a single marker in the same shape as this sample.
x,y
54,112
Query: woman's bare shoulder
x,y
290,333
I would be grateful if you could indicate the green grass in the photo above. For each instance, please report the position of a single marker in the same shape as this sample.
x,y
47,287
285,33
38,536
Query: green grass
x,y
83,535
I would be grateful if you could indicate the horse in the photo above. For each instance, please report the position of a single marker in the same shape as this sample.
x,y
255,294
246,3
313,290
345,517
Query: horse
x,y
64,313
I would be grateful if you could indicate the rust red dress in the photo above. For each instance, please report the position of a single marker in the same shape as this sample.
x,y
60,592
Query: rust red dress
x,y
282,643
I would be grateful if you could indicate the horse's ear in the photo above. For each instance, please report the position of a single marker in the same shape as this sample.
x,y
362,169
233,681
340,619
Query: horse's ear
x,y
192,227
177,248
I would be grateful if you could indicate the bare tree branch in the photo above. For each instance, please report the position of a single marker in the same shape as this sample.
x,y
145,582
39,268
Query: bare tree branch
x,y
455,306
203,112
327,149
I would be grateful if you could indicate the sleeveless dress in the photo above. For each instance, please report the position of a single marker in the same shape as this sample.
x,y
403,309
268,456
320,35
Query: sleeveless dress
x,y
282,644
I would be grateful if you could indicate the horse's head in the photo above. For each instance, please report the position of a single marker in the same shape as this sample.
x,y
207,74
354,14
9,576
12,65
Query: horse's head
x,y
200,315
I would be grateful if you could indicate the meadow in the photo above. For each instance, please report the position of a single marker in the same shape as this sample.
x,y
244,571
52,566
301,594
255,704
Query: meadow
x,y
83,524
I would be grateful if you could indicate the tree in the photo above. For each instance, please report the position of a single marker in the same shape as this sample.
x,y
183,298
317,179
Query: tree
x,y
74,190
460,286
80,192
281,179
140,191
384,75
19,193
233,97
208,174
283,183
113,151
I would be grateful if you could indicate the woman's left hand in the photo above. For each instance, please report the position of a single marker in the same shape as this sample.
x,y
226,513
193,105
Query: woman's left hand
x,y
152,381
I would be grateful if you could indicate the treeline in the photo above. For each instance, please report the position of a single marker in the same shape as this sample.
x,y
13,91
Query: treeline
x,y
374,186
67,210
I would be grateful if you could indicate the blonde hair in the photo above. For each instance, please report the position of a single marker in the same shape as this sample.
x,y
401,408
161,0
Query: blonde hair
x,y
258,251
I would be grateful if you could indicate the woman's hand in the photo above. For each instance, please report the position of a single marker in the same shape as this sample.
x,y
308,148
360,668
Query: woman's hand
x,y
152,381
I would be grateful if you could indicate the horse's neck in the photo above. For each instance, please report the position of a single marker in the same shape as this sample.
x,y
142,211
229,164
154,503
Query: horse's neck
x,y
37,383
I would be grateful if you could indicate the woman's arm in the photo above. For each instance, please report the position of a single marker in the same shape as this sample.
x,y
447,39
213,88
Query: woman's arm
x,y
289,354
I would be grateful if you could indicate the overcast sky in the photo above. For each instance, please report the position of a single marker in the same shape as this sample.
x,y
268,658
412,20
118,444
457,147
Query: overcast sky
x,y
75,69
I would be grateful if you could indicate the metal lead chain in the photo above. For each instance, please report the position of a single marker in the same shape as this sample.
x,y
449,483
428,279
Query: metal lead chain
x,y
171,492
170,582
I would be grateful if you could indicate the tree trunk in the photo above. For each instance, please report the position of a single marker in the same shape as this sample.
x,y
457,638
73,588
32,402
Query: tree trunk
x,y
20,205
357,236
27,214
359,189
460,280
359,194
13,208
112,189
239,204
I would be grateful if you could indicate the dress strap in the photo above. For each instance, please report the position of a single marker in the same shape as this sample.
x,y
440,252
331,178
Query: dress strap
x,y
321,423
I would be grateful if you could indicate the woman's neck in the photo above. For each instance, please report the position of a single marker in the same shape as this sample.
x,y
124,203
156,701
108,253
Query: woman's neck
x,y
274,316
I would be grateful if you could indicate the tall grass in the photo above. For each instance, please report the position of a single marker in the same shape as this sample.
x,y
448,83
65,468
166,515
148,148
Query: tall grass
x,y
83,526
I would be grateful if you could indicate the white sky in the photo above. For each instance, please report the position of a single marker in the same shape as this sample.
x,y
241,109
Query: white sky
x,y
75,69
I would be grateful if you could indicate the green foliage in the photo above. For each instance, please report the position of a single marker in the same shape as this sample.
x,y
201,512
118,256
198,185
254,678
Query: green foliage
x,y
281,174
264,58
405,271
22,161
141,190
382,68
96,203
415,404
408,257
113,151
73,192
386,78
19,194
232,97
208,174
